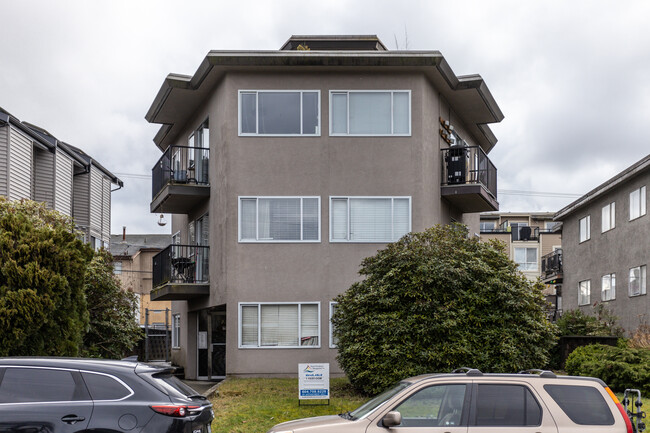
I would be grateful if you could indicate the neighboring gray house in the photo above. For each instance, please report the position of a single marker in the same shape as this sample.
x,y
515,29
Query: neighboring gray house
x,y
284,169
606,247
35,165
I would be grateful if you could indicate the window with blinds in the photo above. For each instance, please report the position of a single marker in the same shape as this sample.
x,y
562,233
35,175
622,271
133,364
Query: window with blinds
x,y
369,219
279,112
279,219
279,325
370,112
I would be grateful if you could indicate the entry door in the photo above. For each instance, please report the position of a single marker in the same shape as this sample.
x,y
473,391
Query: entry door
x,y
218,345
211,345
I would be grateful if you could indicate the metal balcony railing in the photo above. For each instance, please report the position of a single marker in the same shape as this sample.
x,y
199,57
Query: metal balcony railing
x,y
178,264
468,165
552,263
181,165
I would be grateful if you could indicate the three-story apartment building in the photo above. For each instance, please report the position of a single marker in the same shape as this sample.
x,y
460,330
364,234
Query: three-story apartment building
x,y
35,165
284,169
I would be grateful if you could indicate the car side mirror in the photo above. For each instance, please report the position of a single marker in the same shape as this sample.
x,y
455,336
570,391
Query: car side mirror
x,y
392,419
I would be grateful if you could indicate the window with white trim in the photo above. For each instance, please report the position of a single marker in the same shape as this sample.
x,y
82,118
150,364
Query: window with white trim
x,y
584,292
281,325
526,258
637,283
279,219
608,287
585,228
176,331
369,219
279,112
117,268
370,112
608,217
333,341
637,203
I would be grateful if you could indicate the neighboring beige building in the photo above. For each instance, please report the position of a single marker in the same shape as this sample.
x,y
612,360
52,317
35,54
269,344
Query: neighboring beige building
x,y
284,169
35,165
132,264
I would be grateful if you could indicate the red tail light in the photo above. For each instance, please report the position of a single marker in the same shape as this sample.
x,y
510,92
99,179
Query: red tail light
x,y
175,410
628,423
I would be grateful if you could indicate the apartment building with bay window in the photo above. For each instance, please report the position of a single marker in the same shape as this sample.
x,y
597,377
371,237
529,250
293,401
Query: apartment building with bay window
x,y
284,169
605,247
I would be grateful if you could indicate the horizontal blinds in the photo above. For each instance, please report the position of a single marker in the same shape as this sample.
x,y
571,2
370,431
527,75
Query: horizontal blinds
x,y
339,219
279,325
249,325
309,325
370,113
280,219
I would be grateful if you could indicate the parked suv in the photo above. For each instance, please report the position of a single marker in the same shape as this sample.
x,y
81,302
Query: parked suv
x,y
469,401
66,395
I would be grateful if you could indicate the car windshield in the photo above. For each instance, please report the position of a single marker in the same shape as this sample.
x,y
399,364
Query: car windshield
x,y
374,403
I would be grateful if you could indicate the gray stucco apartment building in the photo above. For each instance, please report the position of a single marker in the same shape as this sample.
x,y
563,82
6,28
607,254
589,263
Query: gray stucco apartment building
x,y
606,248
284,169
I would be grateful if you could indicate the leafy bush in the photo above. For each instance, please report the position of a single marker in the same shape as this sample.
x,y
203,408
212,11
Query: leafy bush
x,y
435,301
601,323
620,367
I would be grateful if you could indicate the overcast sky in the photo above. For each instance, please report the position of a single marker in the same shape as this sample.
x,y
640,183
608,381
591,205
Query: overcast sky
x,y
571,77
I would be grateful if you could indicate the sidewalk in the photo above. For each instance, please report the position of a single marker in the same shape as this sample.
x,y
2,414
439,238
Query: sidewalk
x,y
201,386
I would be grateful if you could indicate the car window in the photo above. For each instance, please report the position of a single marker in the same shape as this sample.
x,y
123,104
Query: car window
x,y
173,385
583,404
103,387
378,400
439,405
22,385
506,405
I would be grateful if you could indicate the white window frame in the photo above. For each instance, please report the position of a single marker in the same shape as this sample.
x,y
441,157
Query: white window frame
x,y
608,214
259,325
257,92
392,93
117,268
641,210
587,228
331,326
257,240
514,255
176,331
362,241
612,287
642,283
581,300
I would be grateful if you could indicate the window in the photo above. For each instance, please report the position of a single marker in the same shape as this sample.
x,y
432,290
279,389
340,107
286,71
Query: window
x,y
117,268
584,292
608,287
585,228
370,112
506,405
487,226
434,406
637,203
279,325
279,112
198,154
333,341
176,331
609,217
369,219
583,404
279,219
526,258
23,385
105,387
637,281
550,225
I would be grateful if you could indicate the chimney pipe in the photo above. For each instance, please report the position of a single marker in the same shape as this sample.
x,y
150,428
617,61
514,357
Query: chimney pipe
x,y
123,233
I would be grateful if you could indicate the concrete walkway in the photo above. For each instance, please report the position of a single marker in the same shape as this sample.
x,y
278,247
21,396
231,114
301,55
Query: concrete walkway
x,y
203,387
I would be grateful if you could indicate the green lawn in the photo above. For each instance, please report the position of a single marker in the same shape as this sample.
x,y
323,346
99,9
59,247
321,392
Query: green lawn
x,y
255,405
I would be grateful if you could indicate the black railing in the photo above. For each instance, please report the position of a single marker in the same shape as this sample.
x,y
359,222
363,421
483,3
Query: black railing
x,y
552,263
181,264
468,165
181,165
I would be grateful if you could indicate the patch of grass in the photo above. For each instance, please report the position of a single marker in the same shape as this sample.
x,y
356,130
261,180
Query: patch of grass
x,y
254,405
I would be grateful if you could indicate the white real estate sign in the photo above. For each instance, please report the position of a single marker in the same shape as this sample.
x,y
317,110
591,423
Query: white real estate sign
x,y
313,381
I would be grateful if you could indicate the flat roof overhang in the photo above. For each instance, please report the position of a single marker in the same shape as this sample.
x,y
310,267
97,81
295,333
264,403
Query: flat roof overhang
x,y
179,198
180,95
180,292
469,198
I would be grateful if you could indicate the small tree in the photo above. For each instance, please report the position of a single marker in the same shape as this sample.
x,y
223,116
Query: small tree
x,y
42,263
435,301
114,330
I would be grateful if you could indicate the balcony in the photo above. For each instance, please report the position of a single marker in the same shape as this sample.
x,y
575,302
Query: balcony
x,y
180,179
469,179
180,272
552,267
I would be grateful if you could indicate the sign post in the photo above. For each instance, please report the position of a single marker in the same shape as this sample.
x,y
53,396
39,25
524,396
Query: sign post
x,y
314,382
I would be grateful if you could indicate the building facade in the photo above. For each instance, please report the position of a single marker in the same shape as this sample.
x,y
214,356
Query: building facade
x,y
605,247
284,169
35,165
